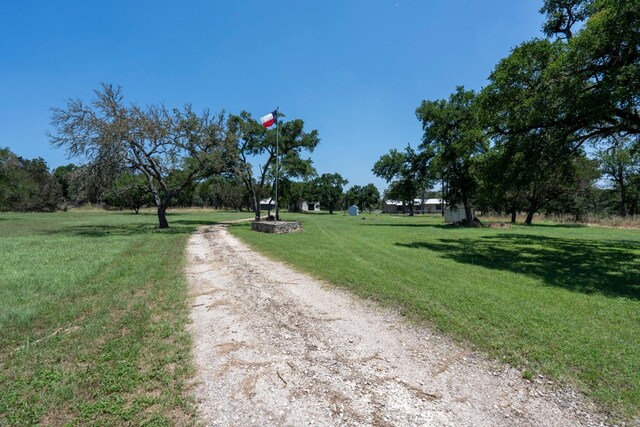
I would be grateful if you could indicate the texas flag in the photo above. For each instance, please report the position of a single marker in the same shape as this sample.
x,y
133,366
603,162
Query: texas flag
x,y
269,119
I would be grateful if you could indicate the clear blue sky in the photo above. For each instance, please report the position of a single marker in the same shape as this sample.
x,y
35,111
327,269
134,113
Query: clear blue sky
x,y
355,70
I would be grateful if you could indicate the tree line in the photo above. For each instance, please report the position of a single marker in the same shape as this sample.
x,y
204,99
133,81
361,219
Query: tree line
x,y
153,156
27,185
558,117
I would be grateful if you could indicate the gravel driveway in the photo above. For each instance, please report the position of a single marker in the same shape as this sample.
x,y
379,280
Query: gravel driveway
x,y
277,347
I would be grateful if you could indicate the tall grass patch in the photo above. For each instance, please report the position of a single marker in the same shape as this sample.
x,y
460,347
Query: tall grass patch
x,y
551,299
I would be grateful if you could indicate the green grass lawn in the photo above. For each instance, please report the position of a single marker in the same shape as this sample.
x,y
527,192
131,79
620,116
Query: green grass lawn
x,y
558,300
93,308
93,305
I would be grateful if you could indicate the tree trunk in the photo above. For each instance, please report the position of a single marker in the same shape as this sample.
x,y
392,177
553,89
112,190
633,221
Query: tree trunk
x,y
255,202
534,204
529,218
513,216
623,201
256,208
161,204
162,217
467,210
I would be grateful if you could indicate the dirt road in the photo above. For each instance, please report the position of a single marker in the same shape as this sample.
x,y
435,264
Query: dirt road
x,y
276,347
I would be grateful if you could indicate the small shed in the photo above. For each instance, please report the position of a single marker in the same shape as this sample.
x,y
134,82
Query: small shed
x,y
456,213
307,206
267,204
430,205
353,210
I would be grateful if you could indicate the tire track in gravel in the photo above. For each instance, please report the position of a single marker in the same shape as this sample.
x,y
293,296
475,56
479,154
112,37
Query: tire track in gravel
x,y
277,347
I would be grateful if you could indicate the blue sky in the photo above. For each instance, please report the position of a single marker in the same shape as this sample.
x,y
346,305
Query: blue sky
x,y
355,70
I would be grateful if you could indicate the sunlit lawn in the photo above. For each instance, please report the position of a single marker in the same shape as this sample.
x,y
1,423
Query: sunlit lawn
x,y
93,308
93,305
558,300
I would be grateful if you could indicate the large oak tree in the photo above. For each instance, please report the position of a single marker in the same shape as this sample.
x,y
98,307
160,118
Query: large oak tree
x,y
170,148
327,189
407,173
452,132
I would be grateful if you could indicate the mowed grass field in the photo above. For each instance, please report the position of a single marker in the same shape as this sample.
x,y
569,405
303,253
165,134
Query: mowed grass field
x,y
93,310
94,305
558,300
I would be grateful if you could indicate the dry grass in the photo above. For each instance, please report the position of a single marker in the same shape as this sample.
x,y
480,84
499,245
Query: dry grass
x,y
590,219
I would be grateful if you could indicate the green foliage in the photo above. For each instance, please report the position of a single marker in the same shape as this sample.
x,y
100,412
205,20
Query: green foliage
x,y
327,189
551,299
551,96
67,177
254,143
366,198
26,185
408,173
293,193
223,192
563,15
583,86
453,133
528,166
521,98
620,164
603,57
129,191
496,192
575,194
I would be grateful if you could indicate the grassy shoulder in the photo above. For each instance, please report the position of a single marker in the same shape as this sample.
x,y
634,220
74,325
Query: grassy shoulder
x,y
93,308
554,299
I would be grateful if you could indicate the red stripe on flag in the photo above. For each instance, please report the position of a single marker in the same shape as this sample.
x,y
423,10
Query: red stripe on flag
x,y
268,120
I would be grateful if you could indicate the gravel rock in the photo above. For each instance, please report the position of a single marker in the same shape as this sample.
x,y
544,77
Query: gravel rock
x,y
276,347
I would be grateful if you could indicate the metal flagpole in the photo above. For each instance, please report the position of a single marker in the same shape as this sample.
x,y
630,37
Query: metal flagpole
x,y
277,161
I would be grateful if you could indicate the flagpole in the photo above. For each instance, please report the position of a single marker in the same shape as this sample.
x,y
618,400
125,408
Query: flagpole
x,y
277,161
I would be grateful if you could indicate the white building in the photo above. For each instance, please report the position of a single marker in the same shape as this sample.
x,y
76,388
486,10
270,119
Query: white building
x,y
456,214
309,206
419,206
267,204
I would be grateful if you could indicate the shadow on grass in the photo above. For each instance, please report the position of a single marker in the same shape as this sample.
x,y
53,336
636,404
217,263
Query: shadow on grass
x,y
408,225
486,223
192,223
233,224
610,268
319,213
177,226
554,225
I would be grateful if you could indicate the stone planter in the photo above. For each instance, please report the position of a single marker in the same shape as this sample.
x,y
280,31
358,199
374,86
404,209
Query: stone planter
x,y
276,227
